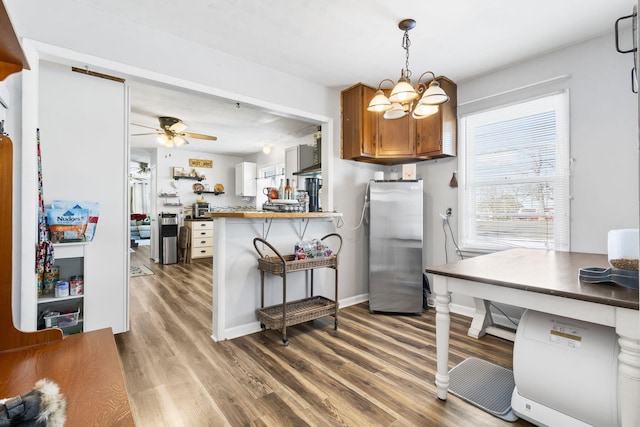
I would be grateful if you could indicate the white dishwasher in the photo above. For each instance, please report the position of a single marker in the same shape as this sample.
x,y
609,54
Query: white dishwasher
x,y
565,371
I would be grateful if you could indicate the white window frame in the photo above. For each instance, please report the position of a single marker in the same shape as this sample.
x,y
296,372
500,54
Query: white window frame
x,y
469,240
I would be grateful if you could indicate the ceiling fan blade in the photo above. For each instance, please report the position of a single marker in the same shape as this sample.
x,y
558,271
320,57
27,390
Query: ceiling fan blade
x,y
150,133
145,126
199,136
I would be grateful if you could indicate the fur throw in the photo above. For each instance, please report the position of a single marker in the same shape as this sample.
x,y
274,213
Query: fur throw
x,y
44,406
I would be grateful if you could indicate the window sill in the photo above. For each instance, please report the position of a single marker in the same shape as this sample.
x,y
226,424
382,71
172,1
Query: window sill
x,y
474,252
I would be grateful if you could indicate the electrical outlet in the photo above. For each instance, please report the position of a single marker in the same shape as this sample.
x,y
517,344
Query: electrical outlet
x,y
449,212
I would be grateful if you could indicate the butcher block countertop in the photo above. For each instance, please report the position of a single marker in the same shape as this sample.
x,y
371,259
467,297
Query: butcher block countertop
x,y
265,214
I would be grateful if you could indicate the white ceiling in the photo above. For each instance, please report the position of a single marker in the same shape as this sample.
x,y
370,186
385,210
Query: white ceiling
x,y
240,128
337,43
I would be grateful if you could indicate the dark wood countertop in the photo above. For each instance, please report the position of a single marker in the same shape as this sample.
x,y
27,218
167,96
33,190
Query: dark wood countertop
x,y
87,369
548,272
265,214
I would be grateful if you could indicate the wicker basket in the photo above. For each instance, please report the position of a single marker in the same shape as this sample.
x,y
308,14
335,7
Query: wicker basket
x,y
273,265
297,312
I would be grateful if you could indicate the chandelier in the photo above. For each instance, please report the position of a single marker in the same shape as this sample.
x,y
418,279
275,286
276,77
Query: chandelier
x,y
401,101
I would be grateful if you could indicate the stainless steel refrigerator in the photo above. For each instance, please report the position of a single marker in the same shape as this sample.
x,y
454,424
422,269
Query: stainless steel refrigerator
x,y
395,246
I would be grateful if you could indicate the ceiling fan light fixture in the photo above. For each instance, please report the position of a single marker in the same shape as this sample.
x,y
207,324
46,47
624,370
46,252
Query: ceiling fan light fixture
x,y
178,126
170,132
179,141
162,139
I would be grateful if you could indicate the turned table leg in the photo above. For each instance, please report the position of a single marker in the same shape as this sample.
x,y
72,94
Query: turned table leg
x,y
443,322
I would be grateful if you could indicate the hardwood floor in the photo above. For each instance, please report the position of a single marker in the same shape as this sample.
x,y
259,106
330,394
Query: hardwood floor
x,y
374,370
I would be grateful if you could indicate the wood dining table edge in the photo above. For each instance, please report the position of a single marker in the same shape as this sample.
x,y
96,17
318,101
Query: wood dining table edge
x,y
107,390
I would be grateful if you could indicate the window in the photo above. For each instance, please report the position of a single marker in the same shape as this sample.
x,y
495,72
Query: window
x,y
268,176
514,176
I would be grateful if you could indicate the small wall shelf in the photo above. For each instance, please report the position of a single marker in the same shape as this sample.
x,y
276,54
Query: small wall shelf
x,y
172,196
215,193
46,299
197,178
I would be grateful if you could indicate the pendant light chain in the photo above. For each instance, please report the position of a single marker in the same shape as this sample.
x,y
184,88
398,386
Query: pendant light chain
x,y
405,45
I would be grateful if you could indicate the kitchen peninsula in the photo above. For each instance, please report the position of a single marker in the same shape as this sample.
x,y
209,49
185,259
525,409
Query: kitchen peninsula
x,y
236,279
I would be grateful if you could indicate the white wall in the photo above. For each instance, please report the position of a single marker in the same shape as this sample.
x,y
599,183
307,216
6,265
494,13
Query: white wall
x,y
604,143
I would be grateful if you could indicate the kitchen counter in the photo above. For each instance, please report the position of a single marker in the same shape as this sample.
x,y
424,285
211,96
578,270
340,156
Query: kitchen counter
x,y
267,214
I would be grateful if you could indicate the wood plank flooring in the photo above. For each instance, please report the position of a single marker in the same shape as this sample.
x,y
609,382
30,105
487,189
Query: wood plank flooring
x,y
375,370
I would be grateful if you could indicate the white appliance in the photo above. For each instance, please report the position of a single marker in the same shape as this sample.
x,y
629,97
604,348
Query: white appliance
x,y
566,372
246,185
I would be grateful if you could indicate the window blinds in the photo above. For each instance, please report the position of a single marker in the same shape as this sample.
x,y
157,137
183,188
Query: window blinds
x,y
515,179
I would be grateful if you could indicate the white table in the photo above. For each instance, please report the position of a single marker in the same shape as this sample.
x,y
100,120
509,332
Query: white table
x,y
545,281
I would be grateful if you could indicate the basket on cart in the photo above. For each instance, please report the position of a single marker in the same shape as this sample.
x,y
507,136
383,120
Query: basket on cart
x,y
290,313
274,265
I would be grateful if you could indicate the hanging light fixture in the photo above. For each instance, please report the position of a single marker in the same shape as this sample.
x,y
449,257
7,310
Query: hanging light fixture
x,y
169,140
403,94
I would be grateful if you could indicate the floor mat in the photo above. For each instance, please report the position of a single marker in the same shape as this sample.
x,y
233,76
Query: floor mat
x,y
485,385
139,270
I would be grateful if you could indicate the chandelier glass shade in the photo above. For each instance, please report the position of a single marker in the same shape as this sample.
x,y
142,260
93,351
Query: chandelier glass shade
x,y
402,99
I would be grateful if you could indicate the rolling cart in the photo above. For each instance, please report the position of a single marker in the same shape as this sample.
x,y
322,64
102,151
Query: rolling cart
x,y
291,313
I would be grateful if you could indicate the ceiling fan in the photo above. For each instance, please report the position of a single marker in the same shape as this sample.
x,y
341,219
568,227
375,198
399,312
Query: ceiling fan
x,y
171,132
140,173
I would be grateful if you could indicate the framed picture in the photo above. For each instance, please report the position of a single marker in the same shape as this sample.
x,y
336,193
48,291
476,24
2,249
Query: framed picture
x,y
178,172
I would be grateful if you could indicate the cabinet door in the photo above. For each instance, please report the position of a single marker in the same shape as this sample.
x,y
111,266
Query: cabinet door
x,y
436,135
394,137
358,124
246,179
429,135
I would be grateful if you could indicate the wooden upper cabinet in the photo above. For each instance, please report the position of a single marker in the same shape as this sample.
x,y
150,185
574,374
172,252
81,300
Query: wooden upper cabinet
x,y
368,137
394,137
358,124
436,135
12,59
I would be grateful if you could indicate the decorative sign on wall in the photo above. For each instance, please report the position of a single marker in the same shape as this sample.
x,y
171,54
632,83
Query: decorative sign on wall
x,y
199,163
